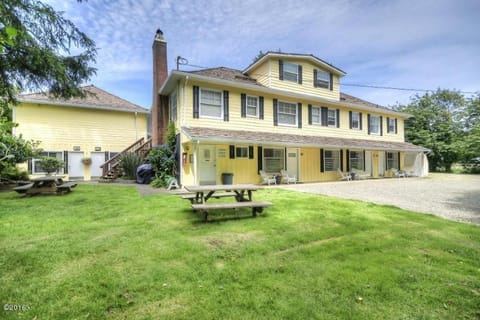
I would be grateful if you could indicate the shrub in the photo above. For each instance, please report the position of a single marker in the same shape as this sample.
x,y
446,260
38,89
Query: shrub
x,y
129,163
50,164
10,172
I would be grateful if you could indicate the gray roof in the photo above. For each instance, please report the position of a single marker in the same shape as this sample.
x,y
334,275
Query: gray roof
x,y
284,139
96,98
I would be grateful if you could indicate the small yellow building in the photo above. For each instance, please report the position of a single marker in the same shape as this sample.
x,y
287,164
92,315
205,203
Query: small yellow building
x,y
94,128
283,112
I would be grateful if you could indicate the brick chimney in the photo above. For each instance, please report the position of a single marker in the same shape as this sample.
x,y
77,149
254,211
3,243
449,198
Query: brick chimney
x,y
159,103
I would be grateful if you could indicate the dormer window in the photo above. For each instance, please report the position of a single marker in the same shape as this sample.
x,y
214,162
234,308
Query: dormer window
x,y
322,79
290,71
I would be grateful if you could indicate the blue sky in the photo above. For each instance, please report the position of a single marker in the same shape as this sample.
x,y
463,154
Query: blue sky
x,y
422,44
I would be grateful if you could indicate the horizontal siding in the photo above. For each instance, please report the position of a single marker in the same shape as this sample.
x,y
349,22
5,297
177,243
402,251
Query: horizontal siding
x,y
236,122
307,80
60,128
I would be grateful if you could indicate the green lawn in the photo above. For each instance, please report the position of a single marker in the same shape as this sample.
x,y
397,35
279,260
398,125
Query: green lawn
x,y
105,252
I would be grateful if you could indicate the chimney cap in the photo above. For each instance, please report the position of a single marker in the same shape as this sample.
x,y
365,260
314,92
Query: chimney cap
x,y
159,35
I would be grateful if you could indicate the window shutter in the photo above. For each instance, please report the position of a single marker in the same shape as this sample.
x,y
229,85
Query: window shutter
x,y
364,169
338,118
300,69
280,69
361,120
322,168
30,166
388,125
260,107
275,113
398,155
196,102
65,161
341,160
309,114
243,100
331,82
381,125
386,161
225,106
315,83
232,151
250,152
368,123
260,158
396,130
324,116
299,111
348,160
350,119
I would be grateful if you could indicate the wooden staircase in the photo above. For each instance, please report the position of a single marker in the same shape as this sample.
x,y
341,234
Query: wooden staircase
x,y
111,169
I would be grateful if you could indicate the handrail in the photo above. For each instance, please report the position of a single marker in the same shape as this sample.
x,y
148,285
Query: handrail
x,y
122,152
135,147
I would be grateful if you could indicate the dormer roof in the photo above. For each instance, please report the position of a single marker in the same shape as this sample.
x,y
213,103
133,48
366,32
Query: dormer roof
x,y
307,57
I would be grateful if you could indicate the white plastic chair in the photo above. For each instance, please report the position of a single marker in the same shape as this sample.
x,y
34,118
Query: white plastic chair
x,y
287,178
267,179
344,177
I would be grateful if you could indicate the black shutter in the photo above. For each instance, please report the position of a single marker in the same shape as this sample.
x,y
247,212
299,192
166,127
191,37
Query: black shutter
x,y
315,83
106,156
196,102
388,127
322,169
225,106
350,118
386,161
65,160
260,158
30,166
299,111
324,115
260,107
381,125
396,130
250,152
361,121
331,82
243,102
280,69
232,151
364,169
398,154
309,114
341,160
368,123
300,74
338,118
275,113
348,160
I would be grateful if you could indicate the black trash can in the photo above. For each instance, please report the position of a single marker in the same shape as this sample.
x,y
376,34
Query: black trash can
x,y
227,178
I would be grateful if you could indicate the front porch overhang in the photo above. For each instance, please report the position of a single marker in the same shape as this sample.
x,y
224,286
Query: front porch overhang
x,y
210,135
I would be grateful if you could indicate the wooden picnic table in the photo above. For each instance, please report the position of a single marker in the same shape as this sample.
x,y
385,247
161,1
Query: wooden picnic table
x,y
46,185
243,194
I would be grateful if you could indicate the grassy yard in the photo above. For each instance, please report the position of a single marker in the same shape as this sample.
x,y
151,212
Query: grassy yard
x,y
105,252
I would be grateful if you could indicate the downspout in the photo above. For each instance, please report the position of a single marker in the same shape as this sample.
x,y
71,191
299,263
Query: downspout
x,y
195,171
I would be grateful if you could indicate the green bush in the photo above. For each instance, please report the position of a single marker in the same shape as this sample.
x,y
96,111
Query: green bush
x,y
10,172
129,163
163,159
50,164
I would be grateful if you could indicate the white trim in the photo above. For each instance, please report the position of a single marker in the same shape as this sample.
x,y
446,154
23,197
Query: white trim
x,y
359,121
201,116
296,114
257,115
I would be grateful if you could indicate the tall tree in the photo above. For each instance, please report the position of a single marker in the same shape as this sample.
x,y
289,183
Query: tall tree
x,y
436,125
471,133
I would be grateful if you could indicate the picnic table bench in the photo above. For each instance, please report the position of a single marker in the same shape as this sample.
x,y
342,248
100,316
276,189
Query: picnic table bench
x,y
242,193
46,185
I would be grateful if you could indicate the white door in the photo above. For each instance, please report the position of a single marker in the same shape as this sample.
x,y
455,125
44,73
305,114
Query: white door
x,y
381,163
207,165
368,162
75,165
292,162
98,158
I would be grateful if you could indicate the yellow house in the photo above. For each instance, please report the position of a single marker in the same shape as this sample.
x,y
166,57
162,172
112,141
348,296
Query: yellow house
x,y
283,112
96,128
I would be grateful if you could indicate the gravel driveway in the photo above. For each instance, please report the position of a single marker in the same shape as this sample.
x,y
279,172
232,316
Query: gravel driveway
x,y
455,197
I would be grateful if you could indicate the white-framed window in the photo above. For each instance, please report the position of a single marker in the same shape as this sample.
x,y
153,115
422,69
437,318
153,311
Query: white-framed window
x,y
252,106
391,125
374,125
241,152
287,113
322,80
331,160
316,115
356,159
355,120
173,106
211,103
290,71
37,168
392,160
332,117
273,159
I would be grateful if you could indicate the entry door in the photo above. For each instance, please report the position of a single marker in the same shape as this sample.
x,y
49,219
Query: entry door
x,y
207,165
75,165
98,158
368,162
292,162
375,164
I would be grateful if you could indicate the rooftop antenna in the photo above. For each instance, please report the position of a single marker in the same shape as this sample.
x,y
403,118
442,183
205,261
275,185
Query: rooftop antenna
x,y
181,61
